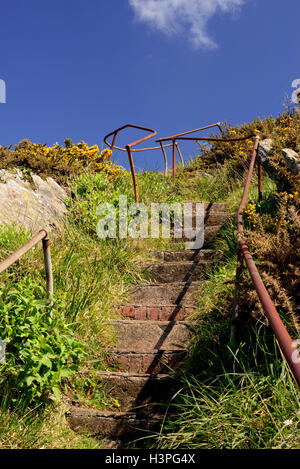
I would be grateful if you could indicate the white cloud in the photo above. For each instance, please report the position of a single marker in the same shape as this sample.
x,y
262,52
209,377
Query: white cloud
x,y
184,16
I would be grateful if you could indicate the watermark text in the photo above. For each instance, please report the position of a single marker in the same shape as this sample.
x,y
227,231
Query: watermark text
x,y
159,220
2,91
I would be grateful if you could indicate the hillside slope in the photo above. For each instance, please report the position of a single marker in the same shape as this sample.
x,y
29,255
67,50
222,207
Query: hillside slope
x,y
228,399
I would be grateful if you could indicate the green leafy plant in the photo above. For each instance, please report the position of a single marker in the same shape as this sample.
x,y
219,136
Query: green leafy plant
x,y
41,348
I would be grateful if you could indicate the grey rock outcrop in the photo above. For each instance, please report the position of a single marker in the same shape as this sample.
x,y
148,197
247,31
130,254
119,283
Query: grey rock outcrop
x,y
27,206
265,149
292,160
264,152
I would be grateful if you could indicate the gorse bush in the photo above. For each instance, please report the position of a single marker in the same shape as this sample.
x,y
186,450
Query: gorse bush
x,y
285,133
58,161
41,348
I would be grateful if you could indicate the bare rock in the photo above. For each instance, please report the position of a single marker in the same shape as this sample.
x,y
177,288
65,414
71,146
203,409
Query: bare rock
x,y
265,150
292,159
30,207
15,175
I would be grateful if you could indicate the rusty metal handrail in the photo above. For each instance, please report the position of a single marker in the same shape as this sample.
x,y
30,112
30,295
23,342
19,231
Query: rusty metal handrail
x,y
129,150
217,124
176,137
283,338
161,147
43,236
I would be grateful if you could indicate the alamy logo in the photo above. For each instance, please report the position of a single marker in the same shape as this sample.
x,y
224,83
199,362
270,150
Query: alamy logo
x,y
159,220
296,94
2,91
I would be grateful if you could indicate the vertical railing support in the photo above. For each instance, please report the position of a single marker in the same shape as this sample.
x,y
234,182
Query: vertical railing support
x,y
180,155
129,150
174,158
112,145
136,194
259,177
48,266
165,158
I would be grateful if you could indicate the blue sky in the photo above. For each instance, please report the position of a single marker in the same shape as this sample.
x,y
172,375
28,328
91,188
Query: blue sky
x,y
80,68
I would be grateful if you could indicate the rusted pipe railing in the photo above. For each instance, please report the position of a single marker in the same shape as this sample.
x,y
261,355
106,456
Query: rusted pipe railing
x,y
180,136
129,149
174,144
161,146
283,338
43,236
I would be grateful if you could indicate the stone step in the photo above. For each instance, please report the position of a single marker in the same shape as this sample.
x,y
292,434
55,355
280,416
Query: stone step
x,y
210,219
178,293
134,390
210,233
152,335
169,272
190,220
181,256
155,361
155,313
209,206
105,424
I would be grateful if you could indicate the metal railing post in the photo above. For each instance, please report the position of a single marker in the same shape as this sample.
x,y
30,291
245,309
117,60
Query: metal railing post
x,y
165,158
135,188
129,149
174,158
180,155
43,236
259,177
48,266
112,145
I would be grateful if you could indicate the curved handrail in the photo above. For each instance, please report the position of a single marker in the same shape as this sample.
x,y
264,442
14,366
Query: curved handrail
x,y
162,147
176,137
172,137
129,150
43,236
116,131
174,144
284,340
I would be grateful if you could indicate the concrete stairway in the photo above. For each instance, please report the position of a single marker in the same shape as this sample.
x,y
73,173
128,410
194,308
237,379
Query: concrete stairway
x,y
153,334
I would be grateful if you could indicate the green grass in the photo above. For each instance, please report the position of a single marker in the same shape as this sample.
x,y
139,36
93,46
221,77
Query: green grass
x,y
22,428
241,399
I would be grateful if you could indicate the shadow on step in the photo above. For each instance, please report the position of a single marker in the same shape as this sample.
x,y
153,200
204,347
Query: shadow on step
x,y
158,357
